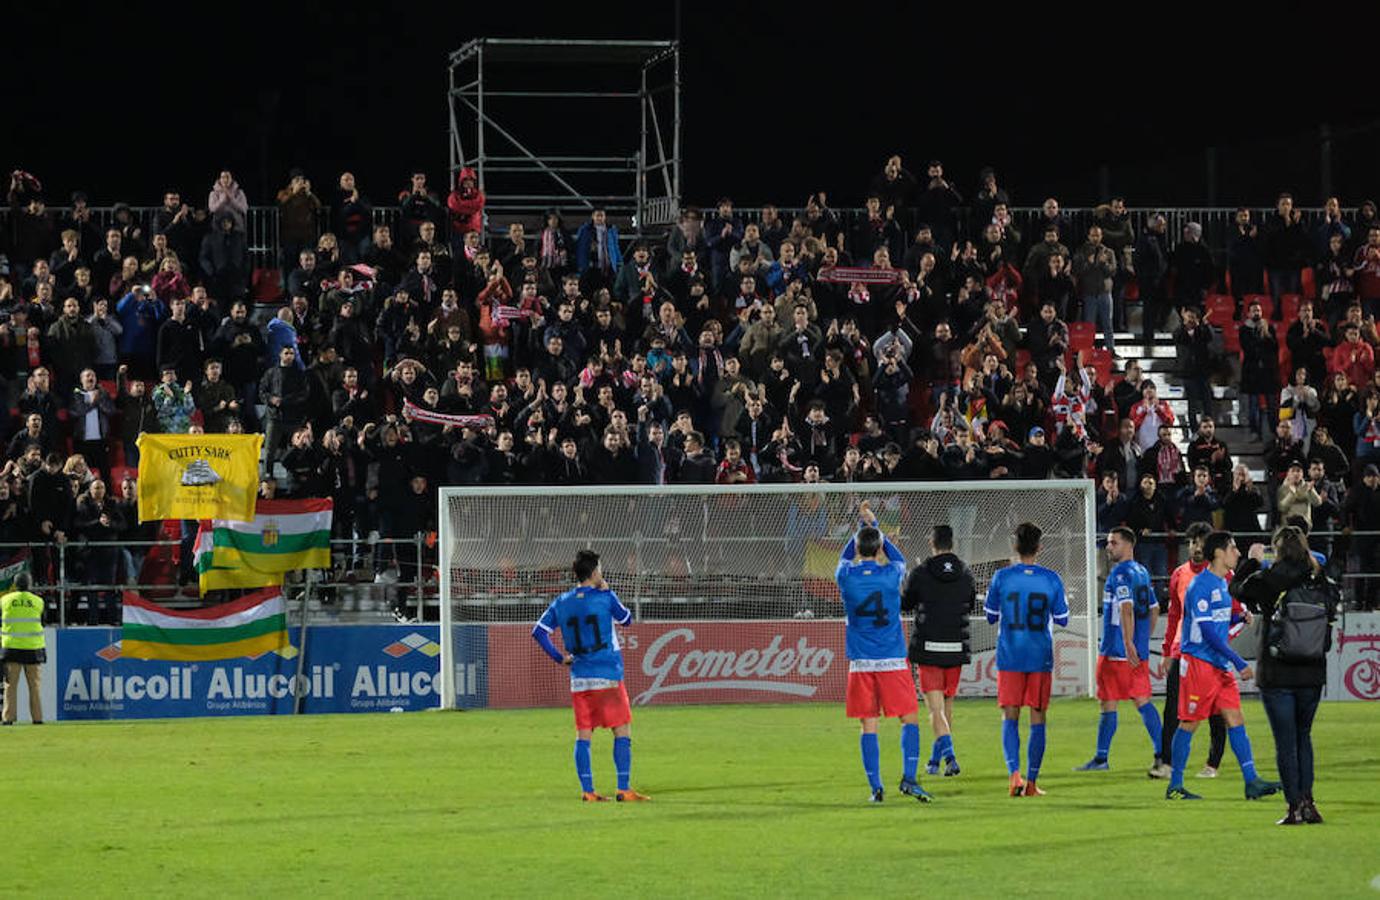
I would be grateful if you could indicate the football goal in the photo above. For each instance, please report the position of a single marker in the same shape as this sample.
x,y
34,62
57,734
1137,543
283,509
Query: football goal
x,y
731,587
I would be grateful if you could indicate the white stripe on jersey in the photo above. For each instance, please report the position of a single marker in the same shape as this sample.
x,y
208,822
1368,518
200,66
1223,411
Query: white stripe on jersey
x,y
944,646
591,684
877,665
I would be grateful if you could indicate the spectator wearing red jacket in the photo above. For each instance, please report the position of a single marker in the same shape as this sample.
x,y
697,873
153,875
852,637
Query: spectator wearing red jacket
x,y
1353,357
1149,414
734,469
466,205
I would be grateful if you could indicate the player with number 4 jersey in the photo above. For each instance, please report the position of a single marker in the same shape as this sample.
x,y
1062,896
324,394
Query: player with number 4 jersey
x,y
879,683
585,616
1026,600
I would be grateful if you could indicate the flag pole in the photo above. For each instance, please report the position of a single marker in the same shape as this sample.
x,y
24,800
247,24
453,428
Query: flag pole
x,y
297,693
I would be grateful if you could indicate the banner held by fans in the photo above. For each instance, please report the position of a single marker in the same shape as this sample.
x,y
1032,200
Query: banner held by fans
x,y
198,476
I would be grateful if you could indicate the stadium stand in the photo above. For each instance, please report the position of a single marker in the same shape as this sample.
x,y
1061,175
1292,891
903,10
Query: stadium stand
x,y
922,336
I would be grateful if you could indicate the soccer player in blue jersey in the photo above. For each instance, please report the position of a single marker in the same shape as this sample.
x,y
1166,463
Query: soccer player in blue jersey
x,y
1027,600
1129,612
585,615
1206,682
879,684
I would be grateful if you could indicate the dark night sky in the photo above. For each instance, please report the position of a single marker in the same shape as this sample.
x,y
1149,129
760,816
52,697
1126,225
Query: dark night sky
x,y
779,100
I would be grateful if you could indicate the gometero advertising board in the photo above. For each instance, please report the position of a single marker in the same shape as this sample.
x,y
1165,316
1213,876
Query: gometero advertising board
x,y
366,668
377,668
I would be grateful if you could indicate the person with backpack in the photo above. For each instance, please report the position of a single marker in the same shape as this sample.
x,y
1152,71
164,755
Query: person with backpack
x,y
1297,604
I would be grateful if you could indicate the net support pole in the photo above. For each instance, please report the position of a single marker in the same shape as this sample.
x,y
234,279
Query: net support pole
x,y
418,541
447,657
62,583
1090,527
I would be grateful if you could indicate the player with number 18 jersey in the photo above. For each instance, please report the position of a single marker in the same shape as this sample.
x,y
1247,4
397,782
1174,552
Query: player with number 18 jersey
x,y
1026,600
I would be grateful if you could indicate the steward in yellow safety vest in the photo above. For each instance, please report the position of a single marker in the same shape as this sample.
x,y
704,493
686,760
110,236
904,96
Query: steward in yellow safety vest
x,y
21,642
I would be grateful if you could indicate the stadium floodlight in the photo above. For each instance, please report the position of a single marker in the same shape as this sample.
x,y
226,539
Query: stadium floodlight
x,y
731,585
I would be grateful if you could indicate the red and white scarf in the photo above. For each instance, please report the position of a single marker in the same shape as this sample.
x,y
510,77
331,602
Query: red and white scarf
x,y
420,414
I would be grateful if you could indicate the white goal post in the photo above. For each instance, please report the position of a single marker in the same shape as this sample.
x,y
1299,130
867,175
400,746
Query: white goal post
x,y
731,586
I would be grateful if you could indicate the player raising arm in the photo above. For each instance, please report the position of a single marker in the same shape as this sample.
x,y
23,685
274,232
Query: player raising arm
x,y
585,616
1027,600
1129,613
1206,682
869,578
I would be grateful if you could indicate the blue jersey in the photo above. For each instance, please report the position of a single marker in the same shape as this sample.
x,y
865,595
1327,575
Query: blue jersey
x,y
585,617
1207,605
1127,583
876,638
1027,600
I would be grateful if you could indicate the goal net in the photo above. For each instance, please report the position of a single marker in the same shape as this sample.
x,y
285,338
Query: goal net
x,y
731,587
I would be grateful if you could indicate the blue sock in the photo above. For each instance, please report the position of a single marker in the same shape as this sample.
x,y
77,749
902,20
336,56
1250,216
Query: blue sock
x,y
946,746
1182,746
1241,746
872,760
1011,744
1106,730
1036,752
935,750
622,760
910,750
1154,726
582,767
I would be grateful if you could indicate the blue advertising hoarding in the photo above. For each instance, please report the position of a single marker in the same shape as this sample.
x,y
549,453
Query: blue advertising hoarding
x,y
347,668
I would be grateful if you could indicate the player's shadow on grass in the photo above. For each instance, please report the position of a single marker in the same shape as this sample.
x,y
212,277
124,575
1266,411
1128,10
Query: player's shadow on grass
x,y
729,786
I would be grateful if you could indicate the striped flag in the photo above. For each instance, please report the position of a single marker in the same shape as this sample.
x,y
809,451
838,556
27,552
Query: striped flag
x,y
212,578
253,625
283,536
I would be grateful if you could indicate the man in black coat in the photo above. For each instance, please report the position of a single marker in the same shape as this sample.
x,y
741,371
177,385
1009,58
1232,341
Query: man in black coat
x,y
1362,513
1152,268
698,465
284,391
942,594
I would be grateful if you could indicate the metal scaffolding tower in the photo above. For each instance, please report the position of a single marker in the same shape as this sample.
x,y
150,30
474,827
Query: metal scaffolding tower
x,y
574,144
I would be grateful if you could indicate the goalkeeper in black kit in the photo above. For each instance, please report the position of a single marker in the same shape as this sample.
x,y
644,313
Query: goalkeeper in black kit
x,y
942,594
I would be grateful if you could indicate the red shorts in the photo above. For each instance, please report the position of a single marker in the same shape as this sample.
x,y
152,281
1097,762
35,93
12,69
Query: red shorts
x,y
940,678
872,695
1116,680
1205,689
1024,689
607,708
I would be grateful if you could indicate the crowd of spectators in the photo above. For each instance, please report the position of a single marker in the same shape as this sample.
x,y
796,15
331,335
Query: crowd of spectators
x,y
929,338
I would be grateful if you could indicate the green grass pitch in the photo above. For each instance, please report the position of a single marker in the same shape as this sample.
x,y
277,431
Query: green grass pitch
x,y
748,801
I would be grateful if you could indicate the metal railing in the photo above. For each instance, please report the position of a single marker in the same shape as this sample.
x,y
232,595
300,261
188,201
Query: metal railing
x,y
69,592
331,591
1175,547
262,222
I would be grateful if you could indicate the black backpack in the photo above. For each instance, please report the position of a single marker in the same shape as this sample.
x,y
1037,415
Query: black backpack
x,y
1300,631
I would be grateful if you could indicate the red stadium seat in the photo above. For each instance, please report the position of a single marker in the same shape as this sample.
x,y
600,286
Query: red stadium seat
x,y
1267,304
1101,361
1289,307
1082,336
1221,309
1231,337
266,285
1132,291
1309,283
